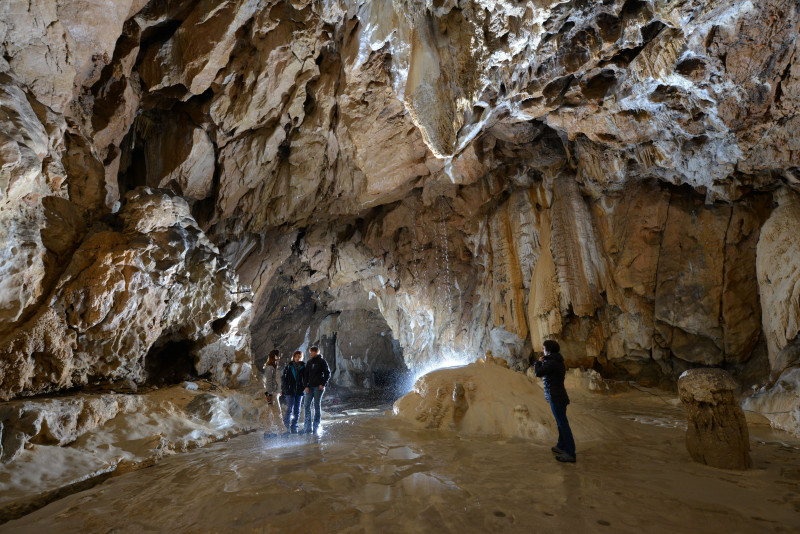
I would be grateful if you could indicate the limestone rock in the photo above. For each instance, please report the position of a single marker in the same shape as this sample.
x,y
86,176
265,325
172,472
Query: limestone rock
x,y
95,434
200,46
58,421
688,294
57,46
778,274
779,403
490,359
717,432
177,155
474,175
25,144
123,294
585,380
478,400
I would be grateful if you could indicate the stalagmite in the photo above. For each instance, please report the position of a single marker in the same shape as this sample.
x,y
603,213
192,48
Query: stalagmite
x,y
717,432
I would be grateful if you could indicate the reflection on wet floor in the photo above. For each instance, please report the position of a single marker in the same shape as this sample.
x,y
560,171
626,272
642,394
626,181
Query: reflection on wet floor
x,y
366,471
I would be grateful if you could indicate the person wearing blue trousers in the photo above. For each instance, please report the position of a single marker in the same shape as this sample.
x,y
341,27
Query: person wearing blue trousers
x,y
292,387
317,374
551,368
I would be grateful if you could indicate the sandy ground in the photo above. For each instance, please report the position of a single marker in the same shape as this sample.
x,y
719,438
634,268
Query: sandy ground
x,y
370,471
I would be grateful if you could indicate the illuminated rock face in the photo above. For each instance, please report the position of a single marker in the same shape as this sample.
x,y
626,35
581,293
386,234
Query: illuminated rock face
x,y
450,177
479,399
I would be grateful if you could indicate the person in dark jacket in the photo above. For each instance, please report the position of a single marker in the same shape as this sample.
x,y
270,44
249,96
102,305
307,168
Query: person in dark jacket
x,y
317,374
293,384
551,368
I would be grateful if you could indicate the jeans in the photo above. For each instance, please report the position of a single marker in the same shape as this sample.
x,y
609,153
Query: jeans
x,y
316,395
292,414
565,440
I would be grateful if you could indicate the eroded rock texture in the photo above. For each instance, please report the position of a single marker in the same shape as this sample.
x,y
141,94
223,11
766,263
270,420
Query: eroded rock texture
x,y
149,294
58,422
475,400
403,183
717,431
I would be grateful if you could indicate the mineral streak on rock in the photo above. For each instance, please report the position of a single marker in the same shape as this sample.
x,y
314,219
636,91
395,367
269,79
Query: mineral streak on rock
x,y
717,432
405,180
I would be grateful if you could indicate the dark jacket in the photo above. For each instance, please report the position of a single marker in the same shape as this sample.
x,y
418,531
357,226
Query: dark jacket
x,y
552,370
317,372
293,381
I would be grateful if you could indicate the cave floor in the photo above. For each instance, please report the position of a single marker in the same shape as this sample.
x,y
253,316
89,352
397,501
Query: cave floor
x,y
370,472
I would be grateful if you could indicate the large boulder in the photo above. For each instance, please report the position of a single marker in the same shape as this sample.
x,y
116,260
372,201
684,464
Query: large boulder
x,y
486,398
479,399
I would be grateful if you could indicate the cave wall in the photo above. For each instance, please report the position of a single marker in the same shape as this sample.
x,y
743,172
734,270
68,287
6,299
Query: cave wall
x,y
471,174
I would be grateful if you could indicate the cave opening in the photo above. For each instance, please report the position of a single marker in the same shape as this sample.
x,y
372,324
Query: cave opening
x,y
170,363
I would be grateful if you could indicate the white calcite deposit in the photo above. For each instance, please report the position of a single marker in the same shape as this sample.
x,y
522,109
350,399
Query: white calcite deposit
x,y
779,404
50,444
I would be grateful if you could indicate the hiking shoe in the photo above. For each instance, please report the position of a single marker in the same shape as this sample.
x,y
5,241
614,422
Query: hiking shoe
x,y
556,450
568,458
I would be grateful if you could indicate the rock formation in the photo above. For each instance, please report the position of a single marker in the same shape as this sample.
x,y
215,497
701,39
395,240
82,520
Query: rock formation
x,y
148,297
486,398
58,421
779,403
55,446
479,399
717,431
403,182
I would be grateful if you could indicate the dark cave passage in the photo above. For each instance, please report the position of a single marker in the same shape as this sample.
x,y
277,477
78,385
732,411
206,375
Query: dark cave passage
x,y
170,363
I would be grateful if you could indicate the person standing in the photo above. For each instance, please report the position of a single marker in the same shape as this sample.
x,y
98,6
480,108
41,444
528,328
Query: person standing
x,y
270,417
551,368
271,376
317,374
292,388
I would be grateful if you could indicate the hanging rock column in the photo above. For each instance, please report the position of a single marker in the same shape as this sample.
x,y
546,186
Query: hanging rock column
x,y
717,431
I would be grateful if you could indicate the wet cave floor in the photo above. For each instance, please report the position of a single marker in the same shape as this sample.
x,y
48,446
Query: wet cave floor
x,y
368,471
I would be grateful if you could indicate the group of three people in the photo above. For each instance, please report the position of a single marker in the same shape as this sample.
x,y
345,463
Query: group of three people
x,y
300,381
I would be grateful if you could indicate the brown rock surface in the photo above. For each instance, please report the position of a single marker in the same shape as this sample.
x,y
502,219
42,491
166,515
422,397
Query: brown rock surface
x,y
717,431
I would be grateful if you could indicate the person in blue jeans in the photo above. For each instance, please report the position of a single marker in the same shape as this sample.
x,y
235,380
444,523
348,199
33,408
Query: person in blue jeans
x,y
317,374
293,384
551,368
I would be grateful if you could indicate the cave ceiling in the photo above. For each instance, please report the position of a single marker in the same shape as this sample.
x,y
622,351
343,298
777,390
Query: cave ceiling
x,y
402,181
